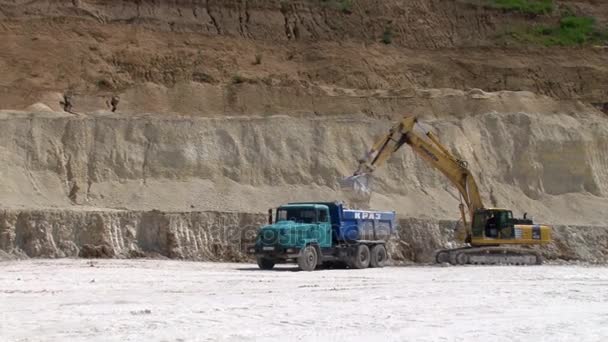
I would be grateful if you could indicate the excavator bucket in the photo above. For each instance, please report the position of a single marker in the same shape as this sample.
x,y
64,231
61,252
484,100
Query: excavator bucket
x,y
357,190
359,183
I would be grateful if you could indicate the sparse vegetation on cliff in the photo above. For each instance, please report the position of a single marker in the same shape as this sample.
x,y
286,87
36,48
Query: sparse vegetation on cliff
x,y
571,30
536,7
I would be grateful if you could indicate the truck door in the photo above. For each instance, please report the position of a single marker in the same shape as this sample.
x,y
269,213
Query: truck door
x,y
325,238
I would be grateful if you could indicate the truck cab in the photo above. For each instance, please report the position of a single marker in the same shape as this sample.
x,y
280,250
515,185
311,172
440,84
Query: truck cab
x,y
314,234
296,226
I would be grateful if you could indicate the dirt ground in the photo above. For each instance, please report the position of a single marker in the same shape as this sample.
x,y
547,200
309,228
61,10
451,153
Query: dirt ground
x,y
120,300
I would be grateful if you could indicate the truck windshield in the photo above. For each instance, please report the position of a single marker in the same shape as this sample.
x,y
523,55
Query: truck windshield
x,y
303,215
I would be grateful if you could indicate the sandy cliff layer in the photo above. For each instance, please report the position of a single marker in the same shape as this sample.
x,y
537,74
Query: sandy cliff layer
x,y
167,56
128,234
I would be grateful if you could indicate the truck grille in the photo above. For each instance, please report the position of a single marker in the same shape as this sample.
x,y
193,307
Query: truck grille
x,y
270,237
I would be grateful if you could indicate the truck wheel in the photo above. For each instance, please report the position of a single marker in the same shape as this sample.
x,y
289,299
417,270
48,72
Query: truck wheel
x,y
265,264
361,258
308,259
378,256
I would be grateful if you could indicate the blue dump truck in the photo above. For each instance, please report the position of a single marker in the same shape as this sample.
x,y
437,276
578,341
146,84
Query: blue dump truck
x,y
324,234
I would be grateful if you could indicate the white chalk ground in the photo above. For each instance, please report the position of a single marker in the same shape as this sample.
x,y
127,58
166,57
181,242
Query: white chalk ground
x,y
151,300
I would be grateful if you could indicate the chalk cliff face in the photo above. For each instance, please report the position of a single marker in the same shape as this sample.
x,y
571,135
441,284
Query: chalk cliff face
x,y
552,166
101,185
230,107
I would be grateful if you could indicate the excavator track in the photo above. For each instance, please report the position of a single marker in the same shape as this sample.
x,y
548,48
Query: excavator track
x,y
489,256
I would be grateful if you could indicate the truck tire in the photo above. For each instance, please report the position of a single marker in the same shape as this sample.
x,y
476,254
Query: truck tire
x,y
361,257
378,256
308,259
265,264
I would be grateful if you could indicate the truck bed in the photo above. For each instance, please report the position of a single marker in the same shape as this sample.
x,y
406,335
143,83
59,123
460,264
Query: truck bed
x,y
366,225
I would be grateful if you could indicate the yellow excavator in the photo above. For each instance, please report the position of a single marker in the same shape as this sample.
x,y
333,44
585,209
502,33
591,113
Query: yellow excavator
x,y
491,235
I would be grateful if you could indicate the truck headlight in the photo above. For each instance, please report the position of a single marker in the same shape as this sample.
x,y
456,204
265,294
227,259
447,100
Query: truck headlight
x,y
290,250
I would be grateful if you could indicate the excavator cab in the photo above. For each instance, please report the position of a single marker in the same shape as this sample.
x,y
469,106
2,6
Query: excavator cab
x,y
493,224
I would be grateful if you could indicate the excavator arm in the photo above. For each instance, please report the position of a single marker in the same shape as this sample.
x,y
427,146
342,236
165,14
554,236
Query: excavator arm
x,y
428,147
